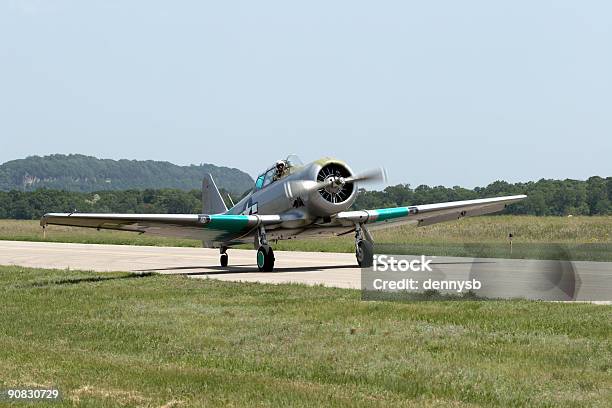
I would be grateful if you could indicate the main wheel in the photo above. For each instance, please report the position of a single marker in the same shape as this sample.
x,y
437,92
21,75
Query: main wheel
x,y
364,253
223,260
265,259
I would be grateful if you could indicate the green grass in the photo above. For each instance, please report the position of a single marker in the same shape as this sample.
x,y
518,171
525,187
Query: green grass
x,y
117,339
575,238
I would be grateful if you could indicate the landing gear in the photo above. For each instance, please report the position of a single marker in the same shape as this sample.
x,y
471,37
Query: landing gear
x,y
364,247
265,255
224,258
265,259
364,253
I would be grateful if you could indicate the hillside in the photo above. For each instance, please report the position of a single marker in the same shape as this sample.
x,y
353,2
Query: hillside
x,y
77,172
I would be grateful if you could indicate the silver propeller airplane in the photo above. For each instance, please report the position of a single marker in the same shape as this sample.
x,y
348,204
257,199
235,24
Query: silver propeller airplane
x,y
290,200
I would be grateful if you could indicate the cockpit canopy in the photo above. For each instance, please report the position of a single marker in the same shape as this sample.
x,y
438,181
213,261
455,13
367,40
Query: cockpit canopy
x,y
272,174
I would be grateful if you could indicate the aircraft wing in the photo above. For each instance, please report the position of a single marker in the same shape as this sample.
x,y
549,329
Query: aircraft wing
x,y
210,228
426,214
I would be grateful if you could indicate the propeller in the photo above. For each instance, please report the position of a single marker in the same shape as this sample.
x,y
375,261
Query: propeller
x,y
334,182
370,176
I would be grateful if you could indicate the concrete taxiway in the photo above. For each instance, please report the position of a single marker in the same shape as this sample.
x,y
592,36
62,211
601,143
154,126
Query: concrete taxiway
x,y
329,269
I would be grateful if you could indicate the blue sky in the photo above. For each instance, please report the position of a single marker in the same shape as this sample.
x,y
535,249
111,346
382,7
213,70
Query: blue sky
x,y
445,92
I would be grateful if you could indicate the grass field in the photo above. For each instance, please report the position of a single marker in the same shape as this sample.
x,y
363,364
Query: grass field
x,y
576,238
117,339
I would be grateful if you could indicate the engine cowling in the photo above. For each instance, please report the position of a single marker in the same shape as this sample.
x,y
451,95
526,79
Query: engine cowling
x,y
335,197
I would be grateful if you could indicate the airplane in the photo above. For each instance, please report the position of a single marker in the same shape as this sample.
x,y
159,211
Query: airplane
x,y
289,200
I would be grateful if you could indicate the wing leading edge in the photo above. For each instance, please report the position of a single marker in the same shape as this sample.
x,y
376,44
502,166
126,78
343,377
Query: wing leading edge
x,y
426,214
212,228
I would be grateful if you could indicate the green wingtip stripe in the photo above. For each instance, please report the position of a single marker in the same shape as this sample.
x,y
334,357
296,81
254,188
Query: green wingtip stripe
x,y
390,213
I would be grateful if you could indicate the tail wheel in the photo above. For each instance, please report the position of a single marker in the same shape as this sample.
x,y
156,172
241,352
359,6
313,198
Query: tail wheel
x,y
364,252
223,260
265,259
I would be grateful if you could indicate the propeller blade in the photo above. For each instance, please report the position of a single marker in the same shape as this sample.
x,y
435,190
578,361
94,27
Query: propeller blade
x,y
373,175
298,188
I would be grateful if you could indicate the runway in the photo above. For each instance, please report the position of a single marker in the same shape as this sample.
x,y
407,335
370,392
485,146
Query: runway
x,y
320,268
330,269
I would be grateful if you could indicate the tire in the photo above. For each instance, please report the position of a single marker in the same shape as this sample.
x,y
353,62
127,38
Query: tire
x,y
364,253
223,260
265,259
270,265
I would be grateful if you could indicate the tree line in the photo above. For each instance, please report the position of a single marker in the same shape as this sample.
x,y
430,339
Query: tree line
x,y
545,197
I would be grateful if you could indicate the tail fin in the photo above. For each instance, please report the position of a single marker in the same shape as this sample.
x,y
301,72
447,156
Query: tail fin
x,y
212,202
